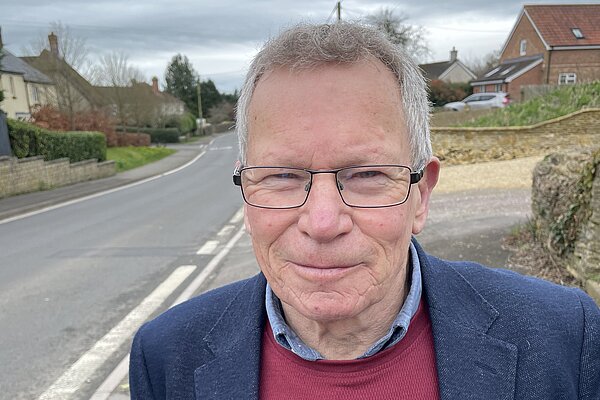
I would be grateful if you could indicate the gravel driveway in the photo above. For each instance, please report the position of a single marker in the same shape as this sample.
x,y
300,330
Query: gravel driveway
x,y
475,206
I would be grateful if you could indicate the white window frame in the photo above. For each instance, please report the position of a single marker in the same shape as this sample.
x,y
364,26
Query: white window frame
x,y
523,47
567,78
35,94
498,87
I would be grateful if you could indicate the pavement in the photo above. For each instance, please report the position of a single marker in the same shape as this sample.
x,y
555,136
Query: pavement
x,y
29,202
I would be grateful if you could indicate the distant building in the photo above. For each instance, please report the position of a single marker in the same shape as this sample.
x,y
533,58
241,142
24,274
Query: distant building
x,y
24,86
451,71
549,44
74,92
141,104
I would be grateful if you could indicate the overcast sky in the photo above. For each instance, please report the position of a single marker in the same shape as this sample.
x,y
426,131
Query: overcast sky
x,y
220,37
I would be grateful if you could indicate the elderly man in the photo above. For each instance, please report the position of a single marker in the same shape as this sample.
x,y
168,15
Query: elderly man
x,y
336,172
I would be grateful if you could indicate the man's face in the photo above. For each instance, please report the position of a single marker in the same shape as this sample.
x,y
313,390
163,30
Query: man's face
x,y
326,260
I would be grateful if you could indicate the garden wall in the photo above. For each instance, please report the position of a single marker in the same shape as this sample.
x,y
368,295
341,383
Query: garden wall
x,y
33,173
565,202
462,145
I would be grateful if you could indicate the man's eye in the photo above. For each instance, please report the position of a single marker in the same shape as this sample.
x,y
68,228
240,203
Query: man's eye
x,y
367,174
283,176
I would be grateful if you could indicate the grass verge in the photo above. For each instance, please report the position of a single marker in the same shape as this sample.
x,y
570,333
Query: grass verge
x,y
127,158
562,101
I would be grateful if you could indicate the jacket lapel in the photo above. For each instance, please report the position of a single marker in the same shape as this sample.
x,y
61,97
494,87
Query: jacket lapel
x,y
471,363
233,370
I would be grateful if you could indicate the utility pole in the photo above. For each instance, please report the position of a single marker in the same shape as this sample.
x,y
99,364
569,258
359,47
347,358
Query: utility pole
x,y
339,11
200,124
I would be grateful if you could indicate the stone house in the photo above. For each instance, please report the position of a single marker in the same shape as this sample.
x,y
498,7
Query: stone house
x,y
24,86
451,71
548,45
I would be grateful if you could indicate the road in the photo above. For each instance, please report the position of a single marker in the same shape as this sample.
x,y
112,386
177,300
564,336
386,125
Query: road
x,y
69,275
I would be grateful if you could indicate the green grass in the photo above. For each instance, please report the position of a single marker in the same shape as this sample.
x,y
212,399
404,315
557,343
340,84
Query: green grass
x,y
132,157
555,104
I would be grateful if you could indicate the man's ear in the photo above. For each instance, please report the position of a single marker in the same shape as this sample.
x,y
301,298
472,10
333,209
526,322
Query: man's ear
x,y
246,222
425,187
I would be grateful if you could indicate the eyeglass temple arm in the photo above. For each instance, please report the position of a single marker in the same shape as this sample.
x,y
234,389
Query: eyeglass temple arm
x,y
415,177
237,177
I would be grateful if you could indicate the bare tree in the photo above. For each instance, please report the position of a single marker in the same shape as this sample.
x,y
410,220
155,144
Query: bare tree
x,y
410,37
121,80
72,48
480,65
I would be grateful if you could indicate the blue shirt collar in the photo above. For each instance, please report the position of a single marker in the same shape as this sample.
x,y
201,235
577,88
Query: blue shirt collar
x,y
287,338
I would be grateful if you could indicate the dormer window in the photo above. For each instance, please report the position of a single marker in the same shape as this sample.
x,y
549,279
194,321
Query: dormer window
x,y
523,47
577,32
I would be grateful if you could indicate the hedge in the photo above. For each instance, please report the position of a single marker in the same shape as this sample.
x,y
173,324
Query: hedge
x,y
157,135
29,140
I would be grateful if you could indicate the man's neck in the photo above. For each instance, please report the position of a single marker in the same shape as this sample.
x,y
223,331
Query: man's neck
x,y
347,339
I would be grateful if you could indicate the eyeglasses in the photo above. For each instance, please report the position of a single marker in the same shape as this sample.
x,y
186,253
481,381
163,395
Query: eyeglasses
x,y
366,186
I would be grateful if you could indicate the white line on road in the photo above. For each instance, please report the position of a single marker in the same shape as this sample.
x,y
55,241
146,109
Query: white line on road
x,y
93,196
237,217
225,230
75,377
119,373
208,247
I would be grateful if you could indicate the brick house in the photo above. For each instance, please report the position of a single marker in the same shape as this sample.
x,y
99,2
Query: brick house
x,y
451,71
550,45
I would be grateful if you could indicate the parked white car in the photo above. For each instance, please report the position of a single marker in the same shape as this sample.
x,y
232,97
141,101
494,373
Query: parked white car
x,y
480,100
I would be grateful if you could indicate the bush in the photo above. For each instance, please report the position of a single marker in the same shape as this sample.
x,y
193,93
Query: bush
x,y
133,139
187,123
49,117
441,93
29,140
157,135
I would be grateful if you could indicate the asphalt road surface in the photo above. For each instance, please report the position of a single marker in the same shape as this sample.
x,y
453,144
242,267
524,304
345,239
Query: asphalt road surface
x,y
69,275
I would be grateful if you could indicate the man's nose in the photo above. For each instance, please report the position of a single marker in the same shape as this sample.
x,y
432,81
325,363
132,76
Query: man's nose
x,y
324,216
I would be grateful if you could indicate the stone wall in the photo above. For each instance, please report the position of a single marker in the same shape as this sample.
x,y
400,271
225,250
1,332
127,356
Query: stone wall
x,y
32,174
458,145
565,203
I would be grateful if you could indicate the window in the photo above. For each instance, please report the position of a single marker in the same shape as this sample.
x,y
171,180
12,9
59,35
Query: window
x,y
35,94
577,32
523,47
492,72
498,87
12,86
567,78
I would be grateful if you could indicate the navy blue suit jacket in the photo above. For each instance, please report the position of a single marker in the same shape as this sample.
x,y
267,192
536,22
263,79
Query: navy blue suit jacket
x,y
497,335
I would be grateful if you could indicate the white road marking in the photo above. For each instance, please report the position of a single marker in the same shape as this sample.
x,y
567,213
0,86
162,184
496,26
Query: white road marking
x,y
119,373
208,247
75,377
93,196
237,217
225,230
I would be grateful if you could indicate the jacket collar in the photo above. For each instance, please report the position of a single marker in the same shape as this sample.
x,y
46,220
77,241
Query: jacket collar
x,y
232,369
471,363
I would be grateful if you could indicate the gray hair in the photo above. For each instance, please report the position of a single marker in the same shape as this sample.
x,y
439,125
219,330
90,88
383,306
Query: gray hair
x,y
307,46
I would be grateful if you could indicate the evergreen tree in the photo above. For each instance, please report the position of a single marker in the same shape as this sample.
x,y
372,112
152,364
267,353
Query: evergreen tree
x,y
181,79
210,97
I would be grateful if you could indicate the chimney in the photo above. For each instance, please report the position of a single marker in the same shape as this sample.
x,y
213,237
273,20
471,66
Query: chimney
x,y
453,54
1,43
53,40
155,85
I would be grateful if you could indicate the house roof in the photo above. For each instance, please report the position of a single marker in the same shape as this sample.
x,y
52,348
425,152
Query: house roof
x,y
555,23
434,70
509,70
51,65
11,63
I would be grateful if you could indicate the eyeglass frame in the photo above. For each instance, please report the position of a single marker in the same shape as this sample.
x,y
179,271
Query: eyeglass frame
x,y
415,177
